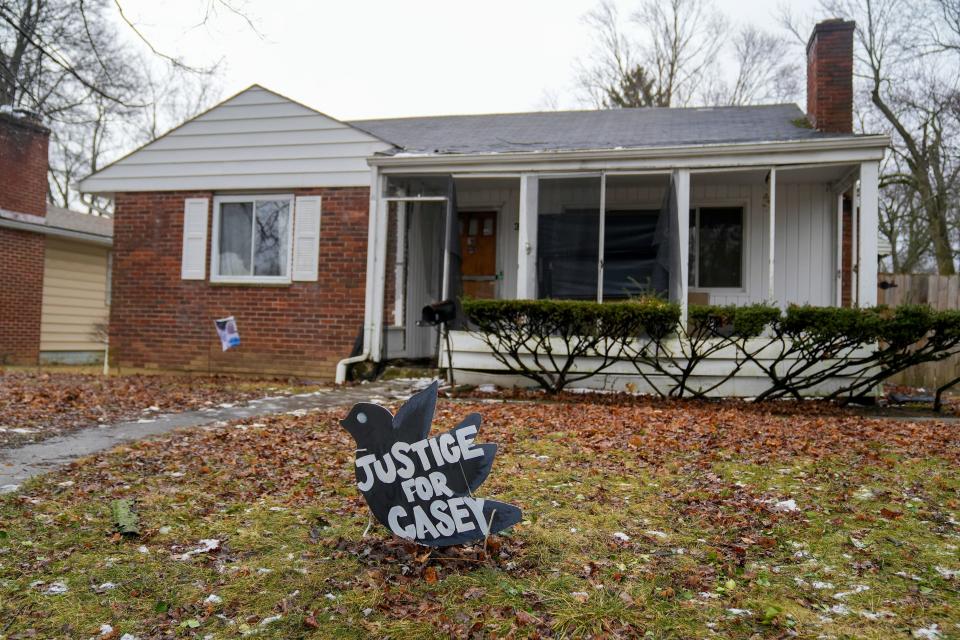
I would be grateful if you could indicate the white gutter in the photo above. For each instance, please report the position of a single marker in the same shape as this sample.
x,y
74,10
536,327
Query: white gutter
x,y
864,144
341,374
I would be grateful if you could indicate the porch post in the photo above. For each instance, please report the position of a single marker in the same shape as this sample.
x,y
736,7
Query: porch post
x,y
867,234
379,219
771,241
527,238
400,266
838,279
368,324
680,241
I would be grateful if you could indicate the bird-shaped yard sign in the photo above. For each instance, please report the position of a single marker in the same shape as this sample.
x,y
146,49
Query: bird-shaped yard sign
x,y
422,488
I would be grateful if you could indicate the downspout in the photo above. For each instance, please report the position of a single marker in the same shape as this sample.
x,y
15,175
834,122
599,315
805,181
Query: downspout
x,y
341,374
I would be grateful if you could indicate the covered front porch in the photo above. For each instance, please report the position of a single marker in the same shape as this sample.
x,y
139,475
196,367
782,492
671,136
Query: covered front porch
x,y
784,229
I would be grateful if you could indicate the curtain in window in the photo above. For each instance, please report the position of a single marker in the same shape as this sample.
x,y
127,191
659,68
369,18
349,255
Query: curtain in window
x,y
236,219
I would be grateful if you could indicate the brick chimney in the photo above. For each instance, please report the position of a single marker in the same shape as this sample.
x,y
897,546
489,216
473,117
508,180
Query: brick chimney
x,y
830,76
23,198
23,164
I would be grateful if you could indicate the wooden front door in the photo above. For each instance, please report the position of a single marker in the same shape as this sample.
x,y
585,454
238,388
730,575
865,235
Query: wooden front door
x,y
478,246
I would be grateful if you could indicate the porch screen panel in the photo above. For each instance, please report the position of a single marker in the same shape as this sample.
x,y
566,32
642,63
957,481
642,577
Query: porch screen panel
x,y
629,253
568,238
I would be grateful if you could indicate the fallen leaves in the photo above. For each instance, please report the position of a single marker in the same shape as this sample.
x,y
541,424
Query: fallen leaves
x,y
36,406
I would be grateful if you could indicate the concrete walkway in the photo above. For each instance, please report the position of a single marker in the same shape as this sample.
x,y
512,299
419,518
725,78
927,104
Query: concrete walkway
x,y
22,463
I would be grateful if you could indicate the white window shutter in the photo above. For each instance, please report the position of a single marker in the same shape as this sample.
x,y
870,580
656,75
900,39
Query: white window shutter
x,y
194,260
306,238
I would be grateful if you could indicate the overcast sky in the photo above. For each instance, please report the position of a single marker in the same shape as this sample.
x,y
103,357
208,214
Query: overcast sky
x,y
366,58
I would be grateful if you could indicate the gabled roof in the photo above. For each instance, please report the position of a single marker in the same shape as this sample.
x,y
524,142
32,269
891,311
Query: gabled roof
x,y
256,139
594,130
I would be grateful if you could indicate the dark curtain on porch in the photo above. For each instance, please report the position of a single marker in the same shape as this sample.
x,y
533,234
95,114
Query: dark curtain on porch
x,y
661,240
455,258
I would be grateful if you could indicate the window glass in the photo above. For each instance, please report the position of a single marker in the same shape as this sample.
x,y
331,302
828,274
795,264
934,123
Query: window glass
x,y
271,237
720,245
568,234
629,253
236,220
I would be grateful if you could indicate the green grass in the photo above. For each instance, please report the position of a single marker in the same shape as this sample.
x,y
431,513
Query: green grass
x,y
706,555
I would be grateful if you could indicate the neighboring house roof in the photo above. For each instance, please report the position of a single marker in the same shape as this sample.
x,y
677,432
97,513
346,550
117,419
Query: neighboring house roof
x,y
62,223
68,220
595,130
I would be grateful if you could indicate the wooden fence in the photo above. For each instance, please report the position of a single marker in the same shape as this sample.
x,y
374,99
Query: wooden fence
x,y
940,292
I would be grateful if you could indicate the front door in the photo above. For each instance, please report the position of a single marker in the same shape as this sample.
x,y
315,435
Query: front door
x,y
478,246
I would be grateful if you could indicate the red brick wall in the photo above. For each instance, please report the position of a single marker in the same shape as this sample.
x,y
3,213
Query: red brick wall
x,y
21,295
160,321
830,76
23,166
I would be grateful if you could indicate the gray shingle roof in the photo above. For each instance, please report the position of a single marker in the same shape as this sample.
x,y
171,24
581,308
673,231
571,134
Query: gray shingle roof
x,y
585,130
60,218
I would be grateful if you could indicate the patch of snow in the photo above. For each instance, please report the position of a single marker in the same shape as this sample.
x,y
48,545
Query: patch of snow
x,y
9,488
786,506
106,586
143,549
928,633
206,546
656,534
22,430
56,588
949,574
822,585
840,610
860,588
740,612
164,530
128,636
620,536
487,388
270,620
66,483
213,599
105,629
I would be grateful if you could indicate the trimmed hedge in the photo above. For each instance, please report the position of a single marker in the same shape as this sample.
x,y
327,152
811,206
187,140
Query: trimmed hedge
x,y
524,335
797,350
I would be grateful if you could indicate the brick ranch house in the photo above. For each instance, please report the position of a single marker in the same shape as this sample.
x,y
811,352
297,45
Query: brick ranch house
x,y
319,235
54,292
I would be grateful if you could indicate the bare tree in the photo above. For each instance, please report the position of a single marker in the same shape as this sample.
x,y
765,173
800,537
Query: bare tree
x,y
66,61
906,71
763,73
675,53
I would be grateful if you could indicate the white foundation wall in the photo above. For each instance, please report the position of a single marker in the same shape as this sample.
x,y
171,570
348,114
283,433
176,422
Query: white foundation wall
x,y
474,364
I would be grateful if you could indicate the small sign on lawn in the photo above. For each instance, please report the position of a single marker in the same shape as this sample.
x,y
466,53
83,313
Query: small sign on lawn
x,y
422,488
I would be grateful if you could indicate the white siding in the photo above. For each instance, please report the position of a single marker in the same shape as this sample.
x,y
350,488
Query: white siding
x,y
255,140
805,253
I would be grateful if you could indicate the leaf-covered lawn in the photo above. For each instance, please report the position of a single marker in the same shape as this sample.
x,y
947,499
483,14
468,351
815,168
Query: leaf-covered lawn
x,y
35,406
642,517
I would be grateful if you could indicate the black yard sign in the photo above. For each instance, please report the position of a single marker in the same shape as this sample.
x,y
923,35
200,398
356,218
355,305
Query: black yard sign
x,y
422,488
